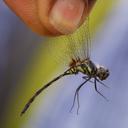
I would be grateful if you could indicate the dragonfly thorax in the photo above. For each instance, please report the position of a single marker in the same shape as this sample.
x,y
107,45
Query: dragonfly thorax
x,y
85,66
88,68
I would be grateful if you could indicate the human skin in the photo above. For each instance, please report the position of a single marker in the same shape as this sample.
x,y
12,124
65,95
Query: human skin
x,y
52,17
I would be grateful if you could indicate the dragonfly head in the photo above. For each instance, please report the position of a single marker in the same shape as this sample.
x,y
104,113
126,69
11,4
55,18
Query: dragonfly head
x,y
102,72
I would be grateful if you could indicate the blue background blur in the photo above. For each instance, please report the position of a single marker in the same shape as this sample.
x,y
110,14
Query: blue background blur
x,y
18,44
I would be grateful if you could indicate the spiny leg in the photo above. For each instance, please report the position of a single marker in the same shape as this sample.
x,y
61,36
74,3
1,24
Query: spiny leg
x,y
78,103
73,101
77,94
98,91
85,77
102,83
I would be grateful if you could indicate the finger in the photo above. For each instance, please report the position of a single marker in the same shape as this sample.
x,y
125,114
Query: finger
x,y
27,10
51,17
67,15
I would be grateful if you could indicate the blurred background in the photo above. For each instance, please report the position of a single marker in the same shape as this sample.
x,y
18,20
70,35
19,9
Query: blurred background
x,y
28,61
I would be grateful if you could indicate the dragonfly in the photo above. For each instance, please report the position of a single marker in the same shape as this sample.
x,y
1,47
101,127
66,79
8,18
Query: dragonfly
x,y
92,72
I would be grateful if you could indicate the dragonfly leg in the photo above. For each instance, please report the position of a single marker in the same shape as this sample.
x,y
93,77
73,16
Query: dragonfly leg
x,y
74,100
102,83
95,80
77,96
78,102
86,77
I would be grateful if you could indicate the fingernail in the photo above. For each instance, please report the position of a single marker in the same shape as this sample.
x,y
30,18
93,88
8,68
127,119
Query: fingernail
x,y
65,16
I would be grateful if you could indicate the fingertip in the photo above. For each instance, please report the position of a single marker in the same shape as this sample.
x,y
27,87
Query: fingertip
x,y
65,15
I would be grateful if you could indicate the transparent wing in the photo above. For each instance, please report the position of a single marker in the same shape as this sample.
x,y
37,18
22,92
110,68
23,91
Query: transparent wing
x,y
86,46
79,43
76,45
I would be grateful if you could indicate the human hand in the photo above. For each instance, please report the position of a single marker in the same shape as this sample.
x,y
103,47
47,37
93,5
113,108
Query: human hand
x,y
52,17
